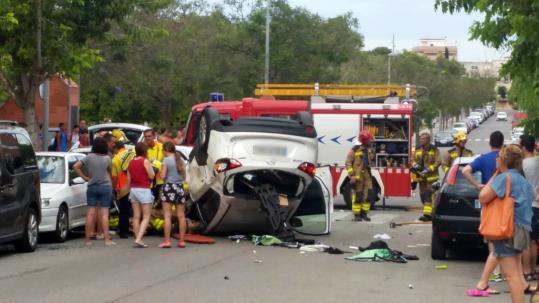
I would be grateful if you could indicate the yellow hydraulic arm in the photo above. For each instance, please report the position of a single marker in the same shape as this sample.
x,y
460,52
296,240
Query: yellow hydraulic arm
x,y
334,90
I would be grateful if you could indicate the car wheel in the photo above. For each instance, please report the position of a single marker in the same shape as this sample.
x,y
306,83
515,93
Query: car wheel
x,y
62,225
438,248
346,192
200,149
28,242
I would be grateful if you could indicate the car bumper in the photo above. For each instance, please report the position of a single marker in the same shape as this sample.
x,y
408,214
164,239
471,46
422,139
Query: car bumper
x,y
48,219
456,230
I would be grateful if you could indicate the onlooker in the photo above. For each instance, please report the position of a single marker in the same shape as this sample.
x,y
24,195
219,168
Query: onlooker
x,y
172,193
119,180
530,166
139,176
508,252
155,155
74,136
537,148
164,135
179,137
62,142
486,164
109,138
84,138
99,192
82,125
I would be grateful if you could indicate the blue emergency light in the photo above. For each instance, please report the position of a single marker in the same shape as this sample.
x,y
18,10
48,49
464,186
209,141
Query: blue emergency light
x,y
217,97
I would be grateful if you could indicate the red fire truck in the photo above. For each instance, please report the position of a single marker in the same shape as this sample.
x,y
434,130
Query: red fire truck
x,y
339,113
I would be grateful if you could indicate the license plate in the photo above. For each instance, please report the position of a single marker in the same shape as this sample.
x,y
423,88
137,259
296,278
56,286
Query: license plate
x,y
269,150
477,204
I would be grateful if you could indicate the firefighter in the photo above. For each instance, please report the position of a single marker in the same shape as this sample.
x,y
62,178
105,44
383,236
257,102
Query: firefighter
x,y
426,160
358,165
459,150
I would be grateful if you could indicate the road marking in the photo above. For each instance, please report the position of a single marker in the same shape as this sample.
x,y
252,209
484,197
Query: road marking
x,y
477,140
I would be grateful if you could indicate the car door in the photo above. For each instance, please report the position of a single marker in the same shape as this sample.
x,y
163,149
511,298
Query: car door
x,y
313,215
13,191
77,199
4,197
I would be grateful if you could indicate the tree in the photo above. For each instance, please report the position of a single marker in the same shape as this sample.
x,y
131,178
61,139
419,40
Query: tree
x,y
50,37
510,25
381,50
502,91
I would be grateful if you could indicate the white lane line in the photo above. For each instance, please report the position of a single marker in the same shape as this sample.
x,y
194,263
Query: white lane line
x,y
486,140
477,140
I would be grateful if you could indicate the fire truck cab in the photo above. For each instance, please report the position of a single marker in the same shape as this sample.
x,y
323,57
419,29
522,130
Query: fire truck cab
x,y
339,113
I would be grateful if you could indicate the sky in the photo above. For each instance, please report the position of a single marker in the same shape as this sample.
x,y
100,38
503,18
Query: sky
x,y
408,21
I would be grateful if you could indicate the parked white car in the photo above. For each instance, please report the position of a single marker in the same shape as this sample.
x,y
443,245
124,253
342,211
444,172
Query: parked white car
x,y
460,127
63,194
255,175
133,132
501,116
516,133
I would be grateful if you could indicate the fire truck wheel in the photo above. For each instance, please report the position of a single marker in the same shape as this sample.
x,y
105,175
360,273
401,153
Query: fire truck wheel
x,y
305,118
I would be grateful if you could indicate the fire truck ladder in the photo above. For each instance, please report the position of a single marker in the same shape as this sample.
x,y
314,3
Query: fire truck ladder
x,y
403,91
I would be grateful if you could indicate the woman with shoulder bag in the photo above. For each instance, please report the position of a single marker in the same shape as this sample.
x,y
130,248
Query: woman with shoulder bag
x,y
509,249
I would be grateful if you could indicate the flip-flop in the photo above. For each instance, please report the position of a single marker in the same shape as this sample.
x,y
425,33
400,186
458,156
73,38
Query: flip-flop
x,y
529,290
474,292
138,245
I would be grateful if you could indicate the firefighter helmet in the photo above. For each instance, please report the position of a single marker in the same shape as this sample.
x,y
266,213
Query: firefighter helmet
x,y
118,135
459,137
365,137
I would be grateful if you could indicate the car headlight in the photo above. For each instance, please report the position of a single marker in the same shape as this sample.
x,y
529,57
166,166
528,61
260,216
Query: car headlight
x,y
45,201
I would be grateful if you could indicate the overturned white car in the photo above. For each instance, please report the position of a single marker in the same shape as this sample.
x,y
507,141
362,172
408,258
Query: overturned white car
x,y
255,175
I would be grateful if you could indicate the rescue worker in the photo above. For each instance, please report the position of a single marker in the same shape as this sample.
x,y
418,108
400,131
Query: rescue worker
x,y
119,182
459,150
155,156
425,164
359,161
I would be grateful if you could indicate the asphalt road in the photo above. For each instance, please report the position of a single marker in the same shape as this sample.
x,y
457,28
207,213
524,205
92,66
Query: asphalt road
x,y
240,272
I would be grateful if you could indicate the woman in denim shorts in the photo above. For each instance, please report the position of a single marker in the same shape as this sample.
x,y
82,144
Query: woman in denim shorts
x,y
139,176
508,252
172,192
99,191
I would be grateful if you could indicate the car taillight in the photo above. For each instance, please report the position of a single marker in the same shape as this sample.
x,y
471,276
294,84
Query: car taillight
x,y
308,168
225,164
443,235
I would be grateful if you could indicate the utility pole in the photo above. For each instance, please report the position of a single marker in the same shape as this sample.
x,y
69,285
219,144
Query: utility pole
x,y
389,61
267,62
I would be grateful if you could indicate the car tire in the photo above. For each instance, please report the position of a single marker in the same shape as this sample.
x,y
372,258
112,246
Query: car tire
x,y
438,248
200,149
28,242
62,225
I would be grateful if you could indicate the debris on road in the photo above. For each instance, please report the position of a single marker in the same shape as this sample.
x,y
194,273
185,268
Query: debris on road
x,y
227,278
440,266
410,286
238,237
257,261
379,251
382,237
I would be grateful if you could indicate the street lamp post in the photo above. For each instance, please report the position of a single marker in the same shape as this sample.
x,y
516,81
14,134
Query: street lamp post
x,y
266,70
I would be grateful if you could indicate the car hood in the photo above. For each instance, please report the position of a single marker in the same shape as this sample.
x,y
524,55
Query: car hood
x,y
52,190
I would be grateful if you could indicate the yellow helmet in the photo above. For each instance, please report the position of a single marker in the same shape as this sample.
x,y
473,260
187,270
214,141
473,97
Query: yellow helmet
x,y
459,137
119,135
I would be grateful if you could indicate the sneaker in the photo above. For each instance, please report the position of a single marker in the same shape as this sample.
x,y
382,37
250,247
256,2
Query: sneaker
x,y
365,217
425,218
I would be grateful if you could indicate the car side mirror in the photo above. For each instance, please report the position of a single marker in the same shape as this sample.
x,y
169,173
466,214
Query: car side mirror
x,y
77,180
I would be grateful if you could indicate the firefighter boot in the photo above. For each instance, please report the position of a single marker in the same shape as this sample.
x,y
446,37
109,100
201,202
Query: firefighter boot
x,y
365,207
427,213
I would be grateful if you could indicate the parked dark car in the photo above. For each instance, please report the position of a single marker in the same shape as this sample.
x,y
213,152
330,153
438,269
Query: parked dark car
x,y
457,213
20,206
443,138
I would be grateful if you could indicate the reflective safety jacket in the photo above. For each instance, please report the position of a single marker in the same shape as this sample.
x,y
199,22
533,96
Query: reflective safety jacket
x,y
426,158
359,160
454,153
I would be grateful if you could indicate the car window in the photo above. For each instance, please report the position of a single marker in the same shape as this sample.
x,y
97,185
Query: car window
x,y
27,151
71,160
133,135
463,186
51,169
11,153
